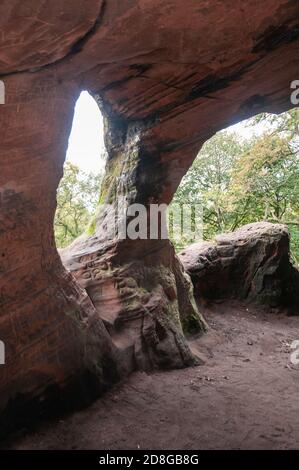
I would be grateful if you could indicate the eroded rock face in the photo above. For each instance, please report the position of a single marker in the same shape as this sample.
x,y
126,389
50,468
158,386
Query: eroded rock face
x,y
252,263
52,333
143,297
167,75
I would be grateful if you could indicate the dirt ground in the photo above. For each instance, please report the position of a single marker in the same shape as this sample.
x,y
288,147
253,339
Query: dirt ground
x,y
244,396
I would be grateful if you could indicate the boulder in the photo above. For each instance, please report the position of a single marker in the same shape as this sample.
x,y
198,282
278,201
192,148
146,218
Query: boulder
x,y
253,263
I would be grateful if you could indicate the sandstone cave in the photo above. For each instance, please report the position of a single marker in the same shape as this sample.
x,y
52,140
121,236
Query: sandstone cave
x,y
128,344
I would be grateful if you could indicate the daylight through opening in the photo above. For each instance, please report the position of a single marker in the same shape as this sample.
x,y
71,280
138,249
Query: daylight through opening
x,y
79,189
246,173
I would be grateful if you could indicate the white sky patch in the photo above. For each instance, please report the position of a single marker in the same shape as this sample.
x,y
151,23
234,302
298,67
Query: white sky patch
x,y
86,141
245,131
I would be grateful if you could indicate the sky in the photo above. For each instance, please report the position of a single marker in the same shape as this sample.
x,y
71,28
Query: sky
x,y
86,142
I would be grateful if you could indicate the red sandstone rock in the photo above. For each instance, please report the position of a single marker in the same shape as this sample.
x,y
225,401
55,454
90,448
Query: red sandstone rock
x,y
252,263
167,75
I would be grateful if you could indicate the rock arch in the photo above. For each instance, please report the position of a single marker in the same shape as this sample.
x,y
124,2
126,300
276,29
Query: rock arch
x,y
167,75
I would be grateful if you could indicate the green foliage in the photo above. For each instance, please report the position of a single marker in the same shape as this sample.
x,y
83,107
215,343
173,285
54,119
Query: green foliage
x,y
285,123
294,232
243,181
77,198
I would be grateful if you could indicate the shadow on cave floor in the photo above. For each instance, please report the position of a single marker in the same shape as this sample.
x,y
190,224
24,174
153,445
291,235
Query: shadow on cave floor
x,y
244,396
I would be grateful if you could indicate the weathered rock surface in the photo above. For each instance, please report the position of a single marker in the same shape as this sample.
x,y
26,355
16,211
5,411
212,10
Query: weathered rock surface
x,y
144,299
167,75
252,263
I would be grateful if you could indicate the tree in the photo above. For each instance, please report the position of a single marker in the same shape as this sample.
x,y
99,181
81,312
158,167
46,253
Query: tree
x,y
208,181
265,180
77,198
239,182
285,123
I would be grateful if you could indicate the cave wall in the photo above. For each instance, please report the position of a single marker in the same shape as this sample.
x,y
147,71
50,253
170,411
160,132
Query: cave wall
x,y
50,328
167,75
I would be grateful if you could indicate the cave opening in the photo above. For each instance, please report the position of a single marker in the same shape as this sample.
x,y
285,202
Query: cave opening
x,y
79,189
245,173
168,75
245,180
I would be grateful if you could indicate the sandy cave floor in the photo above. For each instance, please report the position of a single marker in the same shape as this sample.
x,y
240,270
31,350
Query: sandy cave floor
x,y
244,396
